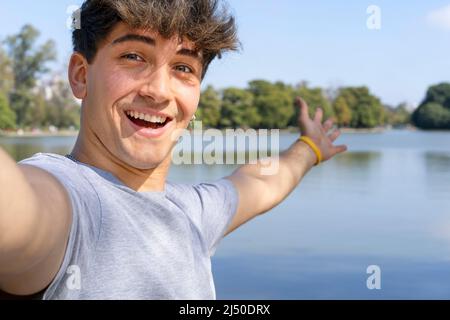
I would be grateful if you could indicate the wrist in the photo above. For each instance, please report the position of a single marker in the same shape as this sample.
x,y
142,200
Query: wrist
x,y
306,153
313,147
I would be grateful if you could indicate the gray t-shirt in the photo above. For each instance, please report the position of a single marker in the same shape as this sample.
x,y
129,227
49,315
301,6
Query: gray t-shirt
x,y
125,244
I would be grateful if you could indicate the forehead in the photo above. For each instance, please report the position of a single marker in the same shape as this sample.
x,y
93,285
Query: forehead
x,y
122,29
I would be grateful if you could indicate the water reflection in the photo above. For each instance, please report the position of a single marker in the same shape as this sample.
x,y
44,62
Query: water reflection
x,y
437,162
357,159
361,167
21,148
437,165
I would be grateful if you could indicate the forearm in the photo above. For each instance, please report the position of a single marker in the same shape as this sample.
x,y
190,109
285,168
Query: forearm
x,y
35,219
288,169
263,185
17,216
295,163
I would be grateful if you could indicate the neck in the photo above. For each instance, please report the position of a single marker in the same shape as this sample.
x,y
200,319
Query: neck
x,y
94,153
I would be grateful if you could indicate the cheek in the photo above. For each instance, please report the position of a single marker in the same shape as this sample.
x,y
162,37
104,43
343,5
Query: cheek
x,y
112,85
189,98
105,89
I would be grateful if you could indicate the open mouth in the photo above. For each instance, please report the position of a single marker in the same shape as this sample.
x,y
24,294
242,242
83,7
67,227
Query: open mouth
x,y
147,121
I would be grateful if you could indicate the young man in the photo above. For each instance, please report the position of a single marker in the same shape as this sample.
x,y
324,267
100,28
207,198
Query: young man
x,y
103,222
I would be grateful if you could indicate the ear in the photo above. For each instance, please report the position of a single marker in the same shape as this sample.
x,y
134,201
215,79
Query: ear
x,y
78,75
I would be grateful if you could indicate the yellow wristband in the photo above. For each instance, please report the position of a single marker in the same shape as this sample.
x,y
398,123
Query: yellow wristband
x,y
313,146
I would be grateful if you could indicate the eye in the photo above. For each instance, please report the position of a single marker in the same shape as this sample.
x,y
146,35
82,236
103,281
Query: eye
x,y
184,69
133,57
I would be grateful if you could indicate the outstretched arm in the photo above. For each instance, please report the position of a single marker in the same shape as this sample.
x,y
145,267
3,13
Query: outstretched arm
x,y
35,218
259,192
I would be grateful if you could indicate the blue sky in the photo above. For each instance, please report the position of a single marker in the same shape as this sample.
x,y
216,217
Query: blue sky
x,y
326,43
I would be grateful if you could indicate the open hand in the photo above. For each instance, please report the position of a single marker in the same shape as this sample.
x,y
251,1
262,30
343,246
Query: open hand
x,y
318,132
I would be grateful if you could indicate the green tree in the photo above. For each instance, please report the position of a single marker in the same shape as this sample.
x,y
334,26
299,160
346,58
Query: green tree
x,y
7,116
21,102
398,115
432,115
209,107
434,111
342,111
62,110
260,87
366,109
314,97
238,109
273,102
440,94
6,74
28,62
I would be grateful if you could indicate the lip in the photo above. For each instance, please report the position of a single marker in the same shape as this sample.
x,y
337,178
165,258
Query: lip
x,y
150,133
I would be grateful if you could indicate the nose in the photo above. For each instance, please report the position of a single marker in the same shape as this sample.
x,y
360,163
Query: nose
x,y
157,86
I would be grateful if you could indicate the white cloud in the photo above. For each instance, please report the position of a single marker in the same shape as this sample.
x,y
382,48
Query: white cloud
x,y
440,18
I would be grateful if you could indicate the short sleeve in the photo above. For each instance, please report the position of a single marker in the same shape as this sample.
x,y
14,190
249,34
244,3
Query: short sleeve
x,y
86,215
219,200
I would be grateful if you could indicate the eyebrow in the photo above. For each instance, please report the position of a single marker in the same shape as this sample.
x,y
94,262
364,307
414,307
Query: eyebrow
x,y
135,37
150,41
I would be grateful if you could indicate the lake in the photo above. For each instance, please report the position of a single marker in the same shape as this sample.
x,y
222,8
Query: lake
x,y
384,203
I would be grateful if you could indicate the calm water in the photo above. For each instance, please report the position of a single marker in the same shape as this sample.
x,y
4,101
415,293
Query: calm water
x,y
385,202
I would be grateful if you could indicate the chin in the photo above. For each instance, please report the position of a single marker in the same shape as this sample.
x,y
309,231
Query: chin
x,y
146,161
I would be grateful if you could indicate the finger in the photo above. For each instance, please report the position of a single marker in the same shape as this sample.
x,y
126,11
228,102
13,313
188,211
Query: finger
x,y
318,116
339,149
303,108
334,135
327,125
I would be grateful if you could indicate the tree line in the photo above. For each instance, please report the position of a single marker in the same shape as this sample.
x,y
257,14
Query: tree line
x,y
29,101
271,105
27,98
434,111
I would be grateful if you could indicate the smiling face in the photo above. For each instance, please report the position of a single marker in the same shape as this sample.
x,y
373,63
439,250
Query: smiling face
x,y
140,90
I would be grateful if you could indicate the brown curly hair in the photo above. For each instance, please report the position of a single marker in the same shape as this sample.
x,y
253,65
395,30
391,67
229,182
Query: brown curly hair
x,y
212,29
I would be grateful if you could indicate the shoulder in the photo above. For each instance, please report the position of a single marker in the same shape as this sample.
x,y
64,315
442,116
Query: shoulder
x,y
204,193
216,190
68,173
50,162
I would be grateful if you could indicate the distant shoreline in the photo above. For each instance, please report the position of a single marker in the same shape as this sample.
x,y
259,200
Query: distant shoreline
x,y
71,133
39,134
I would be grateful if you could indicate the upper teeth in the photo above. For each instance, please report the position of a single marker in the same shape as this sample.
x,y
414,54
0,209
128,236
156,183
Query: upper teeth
x,y
146,117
